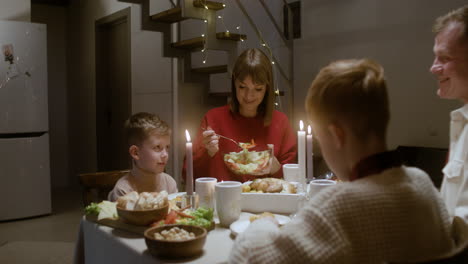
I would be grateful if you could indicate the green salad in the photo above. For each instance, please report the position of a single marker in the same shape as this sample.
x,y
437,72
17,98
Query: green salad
x,y
202,217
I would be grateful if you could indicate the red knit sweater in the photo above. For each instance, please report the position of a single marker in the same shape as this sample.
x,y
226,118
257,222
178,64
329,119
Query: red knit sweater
x,y
242,129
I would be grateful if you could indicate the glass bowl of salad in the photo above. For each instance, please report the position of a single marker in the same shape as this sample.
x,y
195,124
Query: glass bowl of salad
x,y
250,161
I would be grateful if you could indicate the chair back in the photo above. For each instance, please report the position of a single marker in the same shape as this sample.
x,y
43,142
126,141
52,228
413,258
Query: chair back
x,y
97,185
459,255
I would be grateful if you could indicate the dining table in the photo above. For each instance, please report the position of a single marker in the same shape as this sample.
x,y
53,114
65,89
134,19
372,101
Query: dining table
x,y
99,243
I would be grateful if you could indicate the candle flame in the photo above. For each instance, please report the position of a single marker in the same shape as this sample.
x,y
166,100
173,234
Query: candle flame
x,y
301,125
309,130
187,135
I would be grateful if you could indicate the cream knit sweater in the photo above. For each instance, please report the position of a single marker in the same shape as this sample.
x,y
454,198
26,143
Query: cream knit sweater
x,y
395,216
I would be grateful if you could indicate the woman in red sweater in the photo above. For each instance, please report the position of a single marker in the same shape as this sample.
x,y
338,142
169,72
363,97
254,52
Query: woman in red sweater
x,y
250,115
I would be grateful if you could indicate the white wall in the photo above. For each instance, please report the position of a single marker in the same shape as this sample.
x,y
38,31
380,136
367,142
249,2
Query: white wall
x,y
19,10
151,75
55,17
398,35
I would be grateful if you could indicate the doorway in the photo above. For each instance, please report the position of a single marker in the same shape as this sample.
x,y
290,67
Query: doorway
x,y
113,90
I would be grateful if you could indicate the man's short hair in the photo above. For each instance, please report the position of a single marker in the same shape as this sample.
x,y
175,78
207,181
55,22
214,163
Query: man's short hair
x,y
459,15
351,91
142,125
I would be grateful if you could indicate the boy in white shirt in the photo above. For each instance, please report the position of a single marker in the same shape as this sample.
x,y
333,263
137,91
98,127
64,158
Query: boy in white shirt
x,y
149,140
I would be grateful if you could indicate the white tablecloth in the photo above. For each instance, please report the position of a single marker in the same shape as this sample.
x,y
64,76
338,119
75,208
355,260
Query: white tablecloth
x,y
101,244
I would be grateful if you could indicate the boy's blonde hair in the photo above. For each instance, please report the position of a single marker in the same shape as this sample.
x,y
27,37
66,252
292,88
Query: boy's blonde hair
x,y
351,91
142,125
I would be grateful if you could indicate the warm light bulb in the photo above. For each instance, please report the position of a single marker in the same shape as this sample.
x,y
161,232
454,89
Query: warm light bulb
x,y
204,61
301,125
272,62
206,21
263,44
242,40
202,35
206,7
224,5
238,27
276,104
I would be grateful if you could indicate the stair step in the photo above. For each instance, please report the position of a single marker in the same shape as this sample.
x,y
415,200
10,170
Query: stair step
x,y
211,69
210,4
175,14
169,16
227,94
190,44
230,36
197,43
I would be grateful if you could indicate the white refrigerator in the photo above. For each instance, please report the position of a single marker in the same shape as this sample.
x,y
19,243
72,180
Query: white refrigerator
x,y
24,138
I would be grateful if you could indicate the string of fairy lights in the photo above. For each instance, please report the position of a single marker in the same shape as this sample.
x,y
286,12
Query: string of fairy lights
x,y
263,43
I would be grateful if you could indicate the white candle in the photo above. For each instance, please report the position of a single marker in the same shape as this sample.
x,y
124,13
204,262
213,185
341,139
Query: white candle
x,y
310,161
188,165
301,144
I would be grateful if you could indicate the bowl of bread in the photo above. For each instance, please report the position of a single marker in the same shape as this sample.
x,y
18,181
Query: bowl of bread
x,y
144,208
175,241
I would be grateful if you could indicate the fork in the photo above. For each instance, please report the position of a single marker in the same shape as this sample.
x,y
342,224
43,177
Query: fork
x,y
221,136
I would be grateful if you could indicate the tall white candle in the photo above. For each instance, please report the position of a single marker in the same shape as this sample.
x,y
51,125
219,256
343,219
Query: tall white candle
x,y
188,164
301,144
310,154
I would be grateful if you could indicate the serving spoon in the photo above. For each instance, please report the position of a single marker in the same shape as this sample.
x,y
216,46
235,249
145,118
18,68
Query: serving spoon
x,y
240,145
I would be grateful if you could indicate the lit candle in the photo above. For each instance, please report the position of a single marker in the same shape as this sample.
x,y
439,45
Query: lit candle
x,y
188,164
310,161
301,144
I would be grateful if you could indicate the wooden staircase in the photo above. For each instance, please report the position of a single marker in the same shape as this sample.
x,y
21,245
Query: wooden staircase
x,y
212,40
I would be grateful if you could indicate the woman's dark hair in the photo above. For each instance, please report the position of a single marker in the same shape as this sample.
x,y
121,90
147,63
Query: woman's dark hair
x,y
254,63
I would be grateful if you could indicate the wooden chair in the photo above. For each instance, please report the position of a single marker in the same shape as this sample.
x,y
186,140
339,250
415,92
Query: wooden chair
x,y
460,254
97,185
430,160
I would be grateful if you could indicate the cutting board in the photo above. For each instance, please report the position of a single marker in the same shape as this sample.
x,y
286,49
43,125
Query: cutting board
x,y
118,224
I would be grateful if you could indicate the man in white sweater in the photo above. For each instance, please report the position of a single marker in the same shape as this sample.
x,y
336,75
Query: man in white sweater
x,y
451,68
382,211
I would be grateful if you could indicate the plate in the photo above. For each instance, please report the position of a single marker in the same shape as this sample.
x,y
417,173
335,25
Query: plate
x,y
240,226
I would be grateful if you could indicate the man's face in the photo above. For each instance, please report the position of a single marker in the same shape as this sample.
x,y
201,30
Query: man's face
x,y
451,63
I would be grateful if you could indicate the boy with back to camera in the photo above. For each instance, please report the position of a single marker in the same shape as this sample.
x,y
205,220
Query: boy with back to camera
x,y
149,140
381,212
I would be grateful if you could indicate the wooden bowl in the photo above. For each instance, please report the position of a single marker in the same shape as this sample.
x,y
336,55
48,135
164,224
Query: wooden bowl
x,y
176,249
142,217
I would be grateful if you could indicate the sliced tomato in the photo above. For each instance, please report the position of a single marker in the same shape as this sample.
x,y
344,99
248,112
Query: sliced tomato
x,y
171,218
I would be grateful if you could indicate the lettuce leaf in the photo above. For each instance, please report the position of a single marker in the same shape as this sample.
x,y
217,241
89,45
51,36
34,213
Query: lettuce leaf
x,y
197,222
92,209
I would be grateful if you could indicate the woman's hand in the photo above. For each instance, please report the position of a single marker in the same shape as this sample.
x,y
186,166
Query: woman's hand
x,y
210,140
275,165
